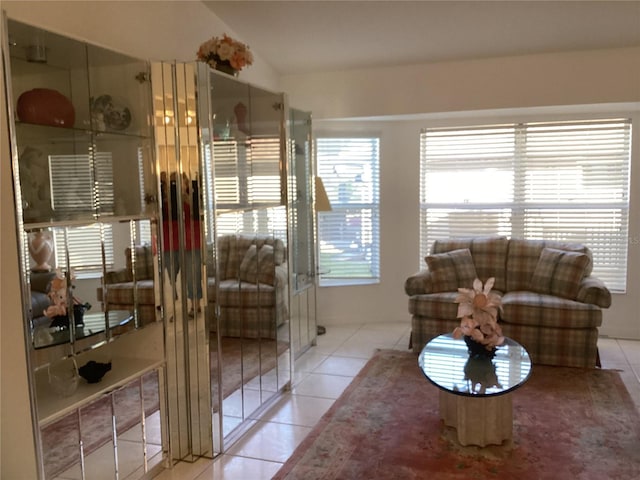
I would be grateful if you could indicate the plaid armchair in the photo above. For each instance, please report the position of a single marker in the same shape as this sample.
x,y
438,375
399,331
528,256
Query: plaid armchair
x,y
253,291
120,289
551,303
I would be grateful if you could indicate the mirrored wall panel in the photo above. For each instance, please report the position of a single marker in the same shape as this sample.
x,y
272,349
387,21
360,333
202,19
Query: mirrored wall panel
x,y
244,180
184,243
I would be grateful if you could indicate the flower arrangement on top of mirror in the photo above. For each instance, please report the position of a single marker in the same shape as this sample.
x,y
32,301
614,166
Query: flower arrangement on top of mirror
x,y
225,54
478,310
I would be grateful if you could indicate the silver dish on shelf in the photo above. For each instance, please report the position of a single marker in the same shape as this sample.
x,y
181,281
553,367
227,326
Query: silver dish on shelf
x,y
109,113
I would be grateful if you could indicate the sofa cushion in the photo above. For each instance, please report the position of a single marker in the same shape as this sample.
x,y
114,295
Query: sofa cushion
x,y
489,256
258,265
435,305
245,294
451,270
123,293
559,273
523,257
535,309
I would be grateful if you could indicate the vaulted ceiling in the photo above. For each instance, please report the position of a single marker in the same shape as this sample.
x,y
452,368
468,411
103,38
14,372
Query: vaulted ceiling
x,y
307,36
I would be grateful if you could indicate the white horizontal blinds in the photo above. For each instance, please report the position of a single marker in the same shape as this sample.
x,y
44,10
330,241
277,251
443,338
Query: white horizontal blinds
x,y
103,185
466,186
79,185
225,173
262,221
144,232
263,181
208,182
557,181
576,188
349,234
141,180
84,246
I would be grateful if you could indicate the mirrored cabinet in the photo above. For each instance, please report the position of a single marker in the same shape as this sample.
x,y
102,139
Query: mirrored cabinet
x,y
225,140
243,133
166,230
87,212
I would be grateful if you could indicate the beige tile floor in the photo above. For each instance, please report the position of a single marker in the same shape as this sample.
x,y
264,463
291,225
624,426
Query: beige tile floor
x,y
321,375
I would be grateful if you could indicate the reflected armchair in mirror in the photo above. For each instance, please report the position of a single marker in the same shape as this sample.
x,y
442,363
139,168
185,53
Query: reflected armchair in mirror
x,y
253,289
120,289
249,282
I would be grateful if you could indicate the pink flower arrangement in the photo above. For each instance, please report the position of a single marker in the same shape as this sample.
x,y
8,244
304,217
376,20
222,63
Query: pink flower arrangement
x,y
225,50
478,310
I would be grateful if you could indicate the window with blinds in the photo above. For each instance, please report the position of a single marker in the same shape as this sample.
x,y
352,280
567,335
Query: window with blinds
x,y
245,180
564,181
248,174
91,188
349,234
84,247
82,183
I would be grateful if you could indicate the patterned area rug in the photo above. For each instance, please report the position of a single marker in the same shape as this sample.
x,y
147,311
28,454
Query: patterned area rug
x,y
569,423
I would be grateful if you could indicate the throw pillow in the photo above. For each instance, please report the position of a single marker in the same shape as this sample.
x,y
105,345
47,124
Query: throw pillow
x,y
266,265
559,273
258,265
451,270
248,267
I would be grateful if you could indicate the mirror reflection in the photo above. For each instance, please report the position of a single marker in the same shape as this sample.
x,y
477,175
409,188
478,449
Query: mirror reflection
x,y
89,280
128,417
248,301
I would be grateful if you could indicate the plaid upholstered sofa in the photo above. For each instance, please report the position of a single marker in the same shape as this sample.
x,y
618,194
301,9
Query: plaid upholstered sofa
x,y
249,283
551,303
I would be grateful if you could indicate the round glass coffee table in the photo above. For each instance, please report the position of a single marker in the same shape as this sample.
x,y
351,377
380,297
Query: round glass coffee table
x,y
475,393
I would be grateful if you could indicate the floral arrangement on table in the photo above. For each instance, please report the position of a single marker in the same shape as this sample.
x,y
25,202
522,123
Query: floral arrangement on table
x,y
478,310
225,51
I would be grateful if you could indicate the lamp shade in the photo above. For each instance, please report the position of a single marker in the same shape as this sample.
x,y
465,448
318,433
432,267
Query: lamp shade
x,y
322,200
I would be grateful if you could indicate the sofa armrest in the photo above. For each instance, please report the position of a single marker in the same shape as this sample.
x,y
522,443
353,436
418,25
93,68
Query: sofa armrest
x,y
282,275
418,283
593,290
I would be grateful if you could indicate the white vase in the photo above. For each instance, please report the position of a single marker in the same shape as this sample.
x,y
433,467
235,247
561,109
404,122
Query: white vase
x,y
41,249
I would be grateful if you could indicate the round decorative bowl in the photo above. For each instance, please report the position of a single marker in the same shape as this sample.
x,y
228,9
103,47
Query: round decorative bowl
x,y
44,106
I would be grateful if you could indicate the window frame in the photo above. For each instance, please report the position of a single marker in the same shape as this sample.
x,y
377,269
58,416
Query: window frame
x,y
369,212
517,204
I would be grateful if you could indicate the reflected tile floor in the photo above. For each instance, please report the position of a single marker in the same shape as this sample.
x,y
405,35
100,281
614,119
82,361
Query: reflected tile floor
x,y
320,376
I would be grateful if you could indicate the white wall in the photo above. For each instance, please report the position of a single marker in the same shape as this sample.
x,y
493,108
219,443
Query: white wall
x,y
406,99
154,30
570,78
